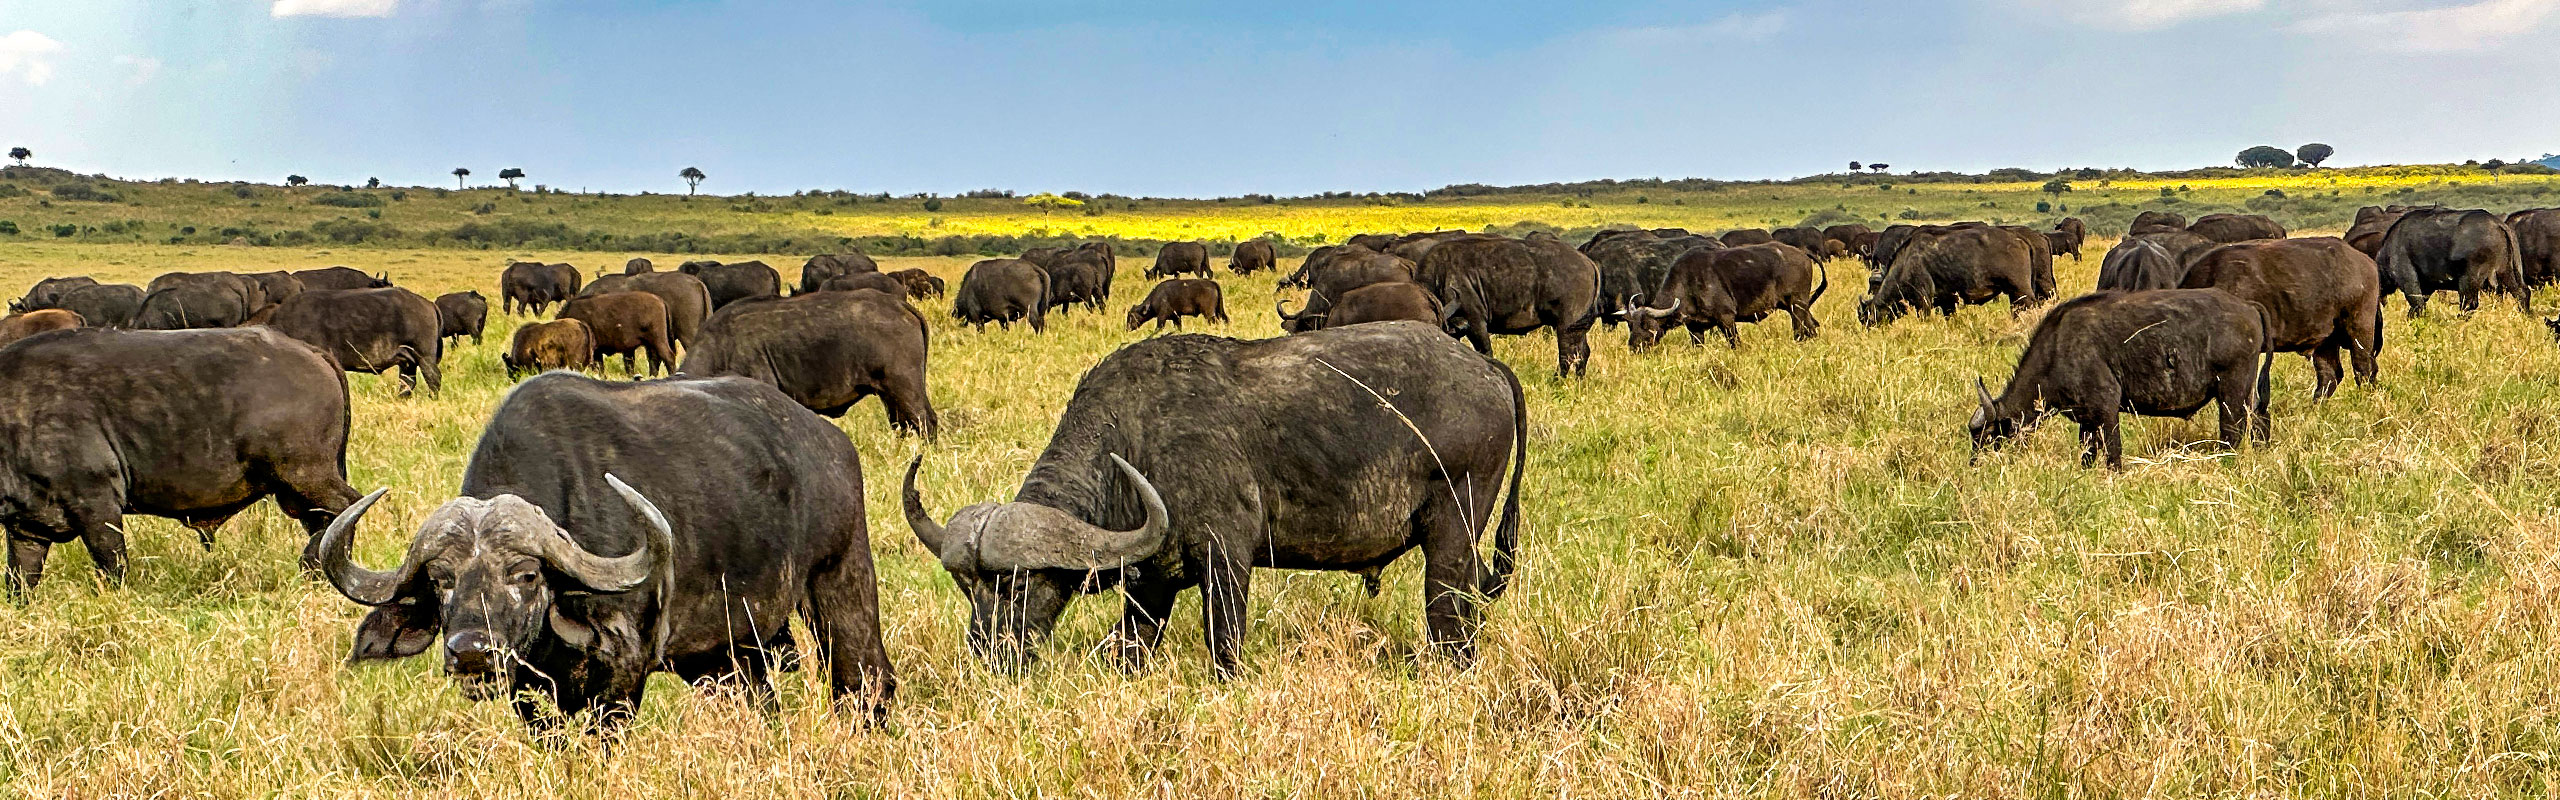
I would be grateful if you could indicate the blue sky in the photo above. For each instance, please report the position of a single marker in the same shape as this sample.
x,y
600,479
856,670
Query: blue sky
x,y
1195,99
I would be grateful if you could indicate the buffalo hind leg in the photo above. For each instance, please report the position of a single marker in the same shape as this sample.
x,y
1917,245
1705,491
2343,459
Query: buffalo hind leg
x,y
1226,582
1450,577
844,612
1573,349
102,532
2324,364
313,496
1806,326
1142,619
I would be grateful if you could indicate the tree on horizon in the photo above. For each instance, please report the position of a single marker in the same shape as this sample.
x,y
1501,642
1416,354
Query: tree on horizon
x,y
693,178
459,175
20,155
295,180
510,175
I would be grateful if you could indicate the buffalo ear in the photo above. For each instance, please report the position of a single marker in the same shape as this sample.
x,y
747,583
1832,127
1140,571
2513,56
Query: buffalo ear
x,y
395,631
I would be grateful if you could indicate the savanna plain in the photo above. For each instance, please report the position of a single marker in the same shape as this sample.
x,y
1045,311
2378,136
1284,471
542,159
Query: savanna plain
x,y
1777,570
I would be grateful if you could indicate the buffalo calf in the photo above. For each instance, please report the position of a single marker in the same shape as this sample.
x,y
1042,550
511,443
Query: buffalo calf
x,y
1172,300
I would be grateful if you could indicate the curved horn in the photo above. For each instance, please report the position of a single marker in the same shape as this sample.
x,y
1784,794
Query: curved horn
x,y
1282,308
1040,537
357,583
1656,313
918,519
1982,390
619,573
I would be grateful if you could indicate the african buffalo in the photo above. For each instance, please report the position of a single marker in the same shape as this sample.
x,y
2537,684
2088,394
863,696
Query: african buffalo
x,y
341,278
874,281
2371,223
920,284
106,305
1633,265
688,301
625,324
730,283
2074,232
2150,261
1003,290
48,293
822,268
1377,302
1848,235
1808,240
2143,222
2160,353
189,425
2320,295
1512,286
1075,279
1253,255
826,350
2435,249
370,331
2537,244
531,287
1337,274
29,323
1742,236
555,574
1965,265
1413,246
2229,228
1180,258
1374,241
558,344
1176,298
278,286
463,314
180,301
1717,288
1189,460
638,266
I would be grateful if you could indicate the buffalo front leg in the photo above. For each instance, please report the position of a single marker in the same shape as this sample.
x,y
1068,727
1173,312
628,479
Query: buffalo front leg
x,y
26,563
103,534
1227,581
844,611
2324,365
1450,580
1141,628
1573,351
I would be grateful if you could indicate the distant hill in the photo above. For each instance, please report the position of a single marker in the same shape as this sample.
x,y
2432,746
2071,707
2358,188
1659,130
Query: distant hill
x,y
2549,160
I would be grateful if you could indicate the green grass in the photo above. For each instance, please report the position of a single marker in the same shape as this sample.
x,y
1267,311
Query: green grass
x,y
1767,571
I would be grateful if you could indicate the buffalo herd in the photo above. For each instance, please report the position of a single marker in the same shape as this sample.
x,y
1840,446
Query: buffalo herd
x,y
605,531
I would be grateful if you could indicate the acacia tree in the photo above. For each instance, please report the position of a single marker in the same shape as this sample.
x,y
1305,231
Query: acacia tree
x,y
459,175
2314,153
693,178
1857,167
295,180
1047,202
2264,156
510,175
1879,168
373,183
20,155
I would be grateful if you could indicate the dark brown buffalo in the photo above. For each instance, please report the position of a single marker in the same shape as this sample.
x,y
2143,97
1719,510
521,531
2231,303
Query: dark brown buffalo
x,y
1253,255
370,331
189,425
2437,249
1633,265
874,281
1092,265
2151,261
1848,235
626,324
1742,236
822,268
2163,353
1174,299
1187,461
920,284
607,531
1003,290
2229,228
730,283
1716,288
1336,274
2150,221
2076,233
1508,287
279,286
1808,240
531,287
48,293
638,266
688,301
1377,302
1181,258
827,350
463,314
182,300
1954,266
2537,244
106,305
342,278
2320,296
1413,246
1374,241
2039,256
1886,247
1298,278
558,344
29,323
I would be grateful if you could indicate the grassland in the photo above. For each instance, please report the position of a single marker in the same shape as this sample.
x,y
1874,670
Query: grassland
x,y
1771,571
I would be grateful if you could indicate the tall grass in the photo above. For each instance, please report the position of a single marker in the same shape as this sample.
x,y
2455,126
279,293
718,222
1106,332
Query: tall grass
x,y
1770,571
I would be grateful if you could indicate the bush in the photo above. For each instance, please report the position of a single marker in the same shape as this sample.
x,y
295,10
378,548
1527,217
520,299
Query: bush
x,y
83,192
933,204
9,190
8,228
350,231
243,192
485,209
65,230
347,200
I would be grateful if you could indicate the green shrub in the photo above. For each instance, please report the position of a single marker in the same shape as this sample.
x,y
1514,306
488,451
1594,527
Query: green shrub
x,y
8,228
347,200
83,192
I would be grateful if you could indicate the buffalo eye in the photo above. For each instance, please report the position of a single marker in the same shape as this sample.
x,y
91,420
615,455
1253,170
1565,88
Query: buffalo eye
x,y
525,573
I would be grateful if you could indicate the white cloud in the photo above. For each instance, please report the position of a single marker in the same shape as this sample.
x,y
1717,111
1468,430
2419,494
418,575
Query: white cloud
x,y
144,68
29,55
2480,25
334,8
2145,15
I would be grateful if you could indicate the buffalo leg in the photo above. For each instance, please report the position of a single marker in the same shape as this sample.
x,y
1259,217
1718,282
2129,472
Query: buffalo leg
x,y
2234,412
1806,326
1697,334
1573,350
1142,618
26,562
1226,581
844,612
103,534
910,409
2324,364
1449,577
1732,333
313,496
434,374
1479,337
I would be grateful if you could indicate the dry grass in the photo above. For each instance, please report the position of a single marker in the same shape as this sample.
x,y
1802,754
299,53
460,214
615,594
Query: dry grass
x,y
1765,572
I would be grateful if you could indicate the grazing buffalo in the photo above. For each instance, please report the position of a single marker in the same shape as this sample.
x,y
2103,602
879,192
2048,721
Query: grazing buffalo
x,y
2435,249
1336,275
1808,240
1374,241
822,268
625,324
2229,228
1187,461
2039,257
1413,246
2060,244
48,293
1003,290
531,287
2537,244
1742,236
2152,221
2320,296
730,283
1075,278
181,301
1510,286
826,350
1717,288
278,286
29,323
607,531
638,266
343,278
370,331
1174,299
2371,223
1181,258
1253,255
105,305
2075,232
1297,279
1964,265
189,425
1847,235
1886,247
920,284
688,301
873,281
558,344
1633,264
463,314
2157,354
1377,302
2150,261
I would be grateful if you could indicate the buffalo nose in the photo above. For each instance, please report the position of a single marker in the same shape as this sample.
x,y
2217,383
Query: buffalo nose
x,y
470,651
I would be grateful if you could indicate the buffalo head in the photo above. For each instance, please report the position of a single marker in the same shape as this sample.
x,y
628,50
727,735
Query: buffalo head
x,y
1019,563
488,575
1310,319
1646,324
1993,425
